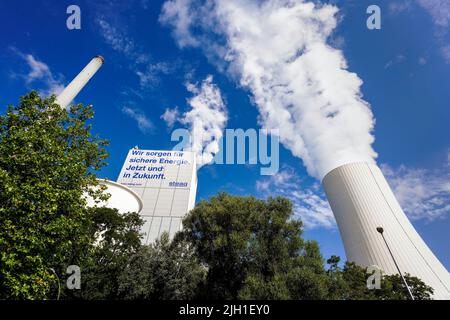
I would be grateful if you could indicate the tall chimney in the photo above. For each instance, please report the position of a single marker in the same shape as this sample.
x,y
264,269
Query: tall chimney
x,y
77,84
362,201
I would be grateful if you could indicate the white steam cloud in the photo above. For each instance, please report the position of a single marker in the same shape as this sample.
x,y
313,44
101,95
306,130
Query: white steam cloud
x,y
40,72
206,119
279,51
309,203
170,116
422,193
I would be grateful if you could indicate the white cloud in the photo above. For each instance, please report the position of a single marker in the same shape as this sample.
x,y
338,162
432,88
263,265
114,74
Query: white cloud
x,y
171,116
310,204
144,123
121,43
206,119
279,51
151,75
38,69
422,193
40,72
141,63
445,51
439,11
179,14
397,60
398,6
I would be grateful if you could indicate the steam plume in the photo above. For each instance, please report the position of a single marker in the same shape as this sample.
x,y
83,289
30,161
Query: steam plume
x,y
279,51
206,119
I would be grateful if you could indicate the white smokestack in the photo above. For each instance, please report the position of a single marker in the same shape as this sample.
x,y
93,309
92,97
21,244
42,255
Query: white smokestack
x,y
361,201
77,84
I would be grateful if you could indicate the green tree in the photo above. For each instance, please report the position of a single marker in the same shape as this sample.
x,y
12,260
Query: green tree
x,y
48,160
253,249
116,237
350,283
338,287
393,288
164,270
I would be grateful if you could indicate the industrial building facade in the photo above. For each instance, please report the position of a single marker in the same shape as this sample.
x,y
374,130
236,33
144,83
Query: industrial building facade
x,y
166,181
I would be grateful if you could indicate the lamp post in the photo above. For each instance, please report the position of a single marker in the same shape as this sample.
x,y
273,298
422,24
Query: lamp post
x,y
59,284
380,231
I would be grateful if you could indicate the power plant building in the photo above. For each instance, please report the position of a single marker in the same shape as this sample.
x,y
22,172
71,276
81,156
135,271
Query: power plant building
x,y
160,185
166,181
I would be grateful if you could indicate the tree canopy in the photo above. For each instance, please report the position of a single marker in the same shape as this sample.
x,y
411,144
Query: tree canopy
x,y
164,270
253,249
47,162
115,237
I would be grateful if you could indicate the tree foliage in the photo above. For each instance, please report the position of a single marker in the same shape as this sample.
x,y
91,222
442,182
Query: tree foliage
x,y
253,249
350,283
115,238
47,162
167,270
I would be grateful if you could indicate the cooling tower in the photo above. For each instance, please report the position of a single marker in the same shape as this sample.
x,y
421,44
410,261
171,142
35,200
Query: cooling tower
x,y
362,200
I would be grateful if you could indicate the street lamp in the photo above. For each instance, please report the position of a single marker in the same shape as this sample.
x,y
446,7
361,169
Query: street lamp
x,y
380,231
59,282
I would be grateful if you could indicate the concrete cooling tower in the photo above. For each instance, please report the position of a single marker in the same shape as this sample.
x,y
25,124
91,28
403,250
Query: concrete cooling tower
x,y
362,200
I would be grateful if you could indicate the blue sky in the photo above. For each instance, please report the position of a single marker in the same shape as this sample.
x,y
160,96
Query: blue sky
x,y
404,68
